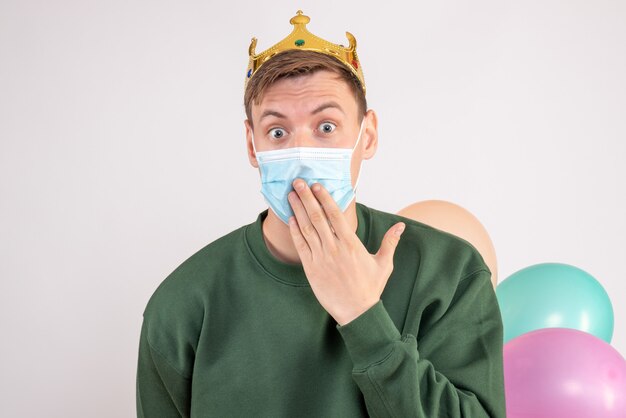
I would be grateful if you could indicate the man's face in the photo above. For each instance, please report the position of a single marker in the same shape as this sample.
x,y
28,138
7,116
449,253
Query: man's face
x,y
316,110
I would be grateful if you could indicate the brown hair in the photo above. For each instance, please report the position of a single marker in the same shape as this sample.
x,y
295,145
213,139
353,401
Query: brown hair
x,y
294,63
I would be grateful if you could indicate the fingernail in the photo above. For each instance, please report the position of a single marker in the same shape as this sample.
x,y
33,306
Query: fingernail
x,y
316,187
299,185
399,230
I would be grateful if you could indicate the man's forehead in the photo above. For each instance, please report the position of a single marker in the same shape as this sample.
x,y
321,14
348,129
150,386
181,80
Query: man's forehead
x,y
310,93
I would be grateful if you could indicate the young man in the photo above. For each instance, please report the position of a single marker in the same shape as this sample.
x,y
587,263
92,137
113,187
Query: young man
x,y
322,307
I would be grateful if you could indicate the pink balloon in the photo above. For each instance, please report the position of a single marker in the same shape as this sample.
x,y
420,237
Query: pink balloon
x,y
563,373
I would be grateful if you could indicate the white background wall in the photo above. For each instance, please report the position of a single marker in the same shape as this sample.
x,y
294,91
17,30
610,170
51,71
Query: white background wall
x,y
122,153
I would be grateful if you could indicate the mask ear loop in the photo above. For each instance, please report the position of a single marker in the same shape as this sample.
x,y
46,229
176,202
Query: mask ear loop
x,y
356,184
254,147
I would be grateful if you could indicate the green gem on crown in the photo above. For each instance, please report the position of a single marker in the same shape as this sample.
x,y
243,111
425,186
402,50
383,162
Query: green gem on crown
x,y
299,42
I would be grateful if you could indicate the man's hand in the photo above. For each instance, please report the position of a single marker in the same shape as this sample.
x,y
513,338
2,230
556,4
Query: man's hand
x,y
346,279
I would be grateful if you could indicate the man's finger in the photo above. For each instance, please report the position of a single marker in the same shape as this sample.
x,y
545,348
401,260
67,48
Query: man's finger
x,y
390,242
336,218
316,214
307,229
304,251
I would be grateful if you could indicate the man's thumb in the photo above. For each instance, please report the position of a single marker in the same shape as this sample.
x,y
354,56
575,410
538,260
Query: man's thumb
x,y
390,241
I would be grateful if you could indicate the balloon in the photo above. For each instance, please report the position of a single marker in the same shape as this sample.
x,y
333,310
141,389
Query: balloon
x,y
563,373
456,220
554,295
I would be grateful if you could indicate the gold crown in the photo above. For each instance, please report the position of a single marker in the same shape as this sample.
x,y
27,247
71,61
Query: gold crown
x,y
301,38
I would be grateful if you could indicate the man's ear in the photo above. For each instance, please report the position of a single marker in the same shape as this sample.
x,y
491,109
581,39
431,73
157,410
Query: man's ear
x,y
249,147
370,134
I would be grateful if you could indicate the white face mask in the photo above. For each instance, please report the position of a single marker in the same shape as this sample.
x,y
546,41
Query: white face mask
x,y
328,166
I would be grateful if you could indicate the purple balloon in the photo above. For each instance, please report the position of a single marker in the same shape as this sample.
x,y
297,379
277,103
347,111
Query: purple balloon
x,y
563,373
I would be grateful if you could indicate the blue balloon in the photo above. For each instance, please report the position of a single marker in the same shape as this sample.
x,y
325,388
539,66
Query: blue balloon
x,y
554,295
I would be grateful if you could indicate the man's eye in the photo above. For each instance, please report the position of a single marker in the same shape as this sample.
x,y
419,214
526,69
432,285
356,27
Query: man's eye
x,y
327,127
277,133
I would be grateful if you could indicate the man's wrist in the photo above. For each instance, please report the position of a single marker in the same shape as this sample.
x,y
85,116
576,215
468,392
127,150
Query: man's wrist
x,y
369,337
346,319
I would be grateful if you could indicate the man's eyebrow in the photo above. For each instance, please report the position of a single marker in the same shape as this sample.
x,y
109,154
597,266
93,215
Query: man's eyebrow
x,y
272,113
318,109
326,106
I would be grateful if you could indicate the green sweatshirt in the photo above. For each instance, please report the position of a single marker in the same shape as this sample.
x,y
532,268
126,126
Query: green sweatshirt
x,y
235,332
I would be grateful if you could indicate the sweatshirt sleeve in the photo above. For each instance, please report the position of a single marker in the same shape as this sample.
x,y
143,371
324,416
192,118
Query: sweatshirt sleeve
x,y
456,370
161,390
